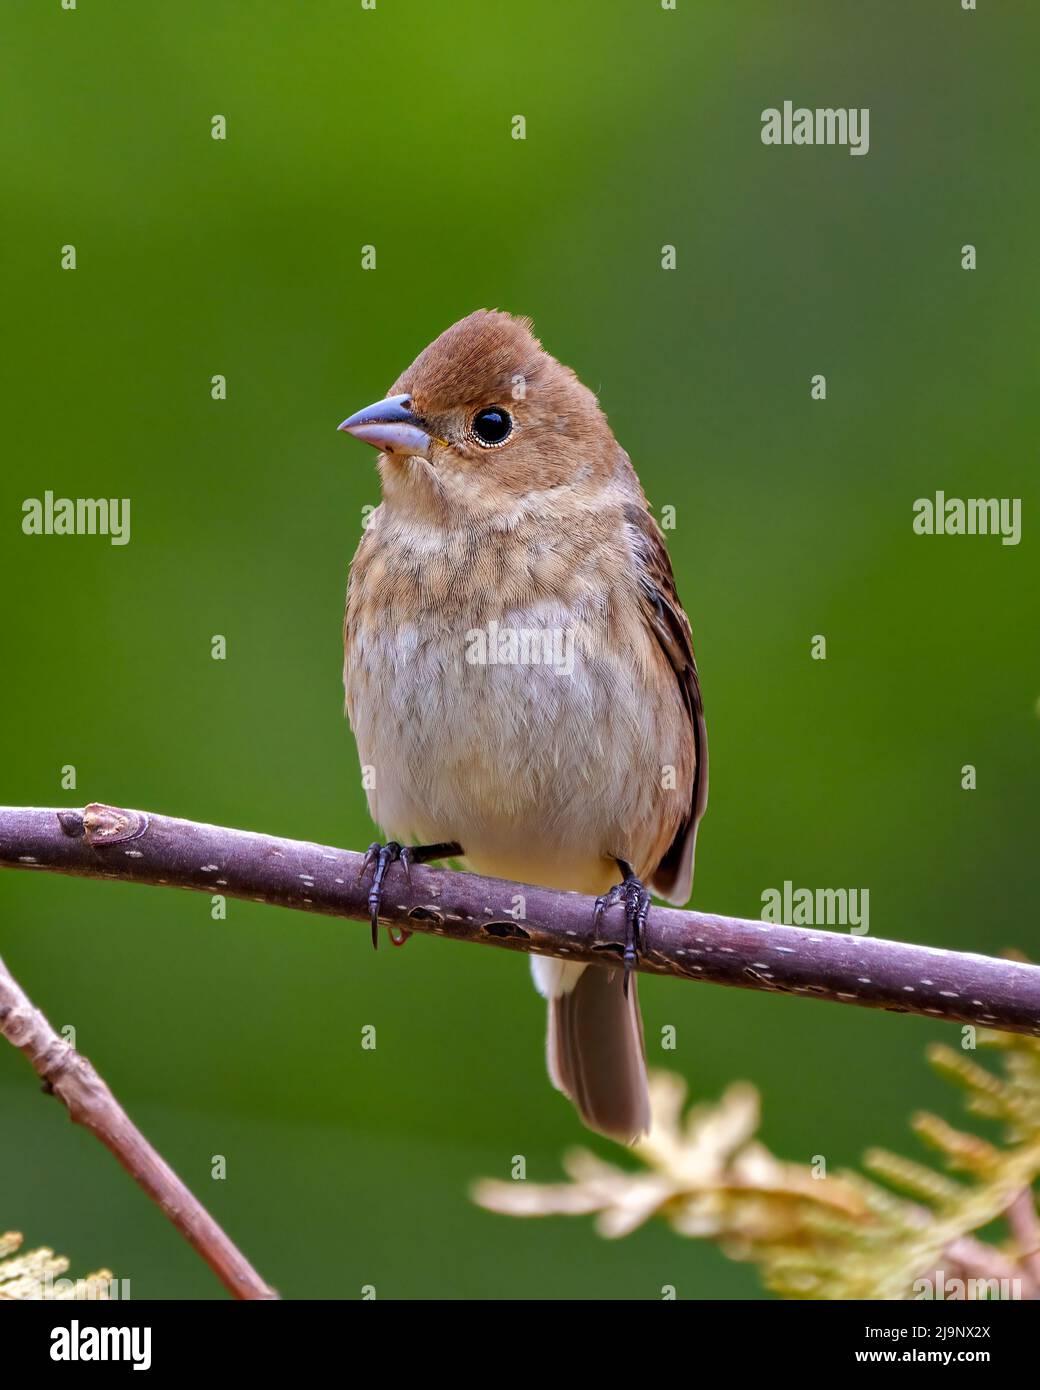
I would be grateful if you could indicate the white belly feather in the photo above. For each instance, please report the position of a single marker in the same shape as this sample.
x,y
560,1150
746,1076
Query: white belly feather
x,y
535,770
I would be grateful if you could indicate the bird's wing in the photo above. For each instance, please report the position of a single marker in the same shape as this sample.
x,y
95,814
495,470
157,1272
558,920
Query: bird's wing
x,y
664,614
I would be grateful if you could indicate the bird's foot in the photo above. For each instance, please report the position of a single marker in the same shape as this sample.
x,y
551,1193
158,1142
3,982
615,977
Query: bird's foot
x,y
382,856
636,899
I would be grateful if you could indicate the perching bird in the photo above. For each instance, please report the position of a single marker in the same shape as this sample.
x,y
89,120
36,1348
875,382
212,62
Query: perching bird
x,y
519,671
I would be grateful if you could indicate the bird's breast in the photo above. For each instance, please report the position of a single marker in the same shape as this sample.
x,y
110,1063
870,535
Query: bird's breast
x,y
503,736
532,731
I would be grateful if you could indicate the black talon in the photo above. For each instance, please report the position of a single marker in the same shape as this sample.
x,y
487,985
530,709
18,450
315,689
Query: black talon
x,y
407,857
636,899
382,856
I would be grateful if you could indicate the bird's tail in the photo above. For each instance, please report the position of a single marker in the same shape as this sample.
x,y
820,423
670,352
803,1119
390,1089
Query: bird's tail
x,y
595,1048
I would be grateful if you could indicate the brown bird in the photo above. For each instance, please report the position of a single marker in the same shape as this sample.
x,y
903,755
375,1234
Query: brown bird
x,y
519,670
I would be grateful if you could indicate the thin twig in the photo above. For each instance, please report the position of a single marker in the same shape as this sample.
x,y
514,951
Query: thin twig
x,y
110,842
967,1257
72,1078
1025,1227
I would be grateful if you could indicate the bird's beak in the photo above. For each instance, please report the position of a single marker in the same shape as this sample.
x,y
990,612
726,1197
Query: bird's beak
x,y
391,426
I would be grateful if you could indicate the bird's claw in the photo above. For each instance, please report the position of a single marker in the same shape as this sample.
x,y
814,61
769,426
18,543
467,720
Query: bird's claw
x,y
382,856
636,899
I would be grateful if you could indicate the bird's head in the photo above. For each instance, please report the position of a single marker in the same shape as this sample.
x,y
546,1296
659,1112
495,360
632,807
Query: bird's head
x,y
483,420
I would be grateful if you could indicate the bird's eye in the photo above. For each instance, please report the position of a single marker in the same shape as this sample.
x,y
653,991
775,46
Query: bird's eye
x,y
492,426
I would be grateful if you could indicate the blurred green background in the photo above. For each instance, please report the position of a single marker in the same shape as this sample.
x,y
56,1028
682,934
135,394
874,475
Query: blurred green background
x,y
243,257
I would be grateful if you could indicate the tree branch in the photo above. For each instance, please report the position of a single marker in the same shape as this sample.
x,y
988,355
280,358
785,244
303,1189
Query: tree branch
x,y
90,1103
110,842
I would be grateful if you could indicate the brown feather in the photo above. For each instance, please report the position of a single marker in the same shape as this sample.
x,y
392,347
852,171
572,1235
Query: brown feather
x,y
673,876
597,1056
475,358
